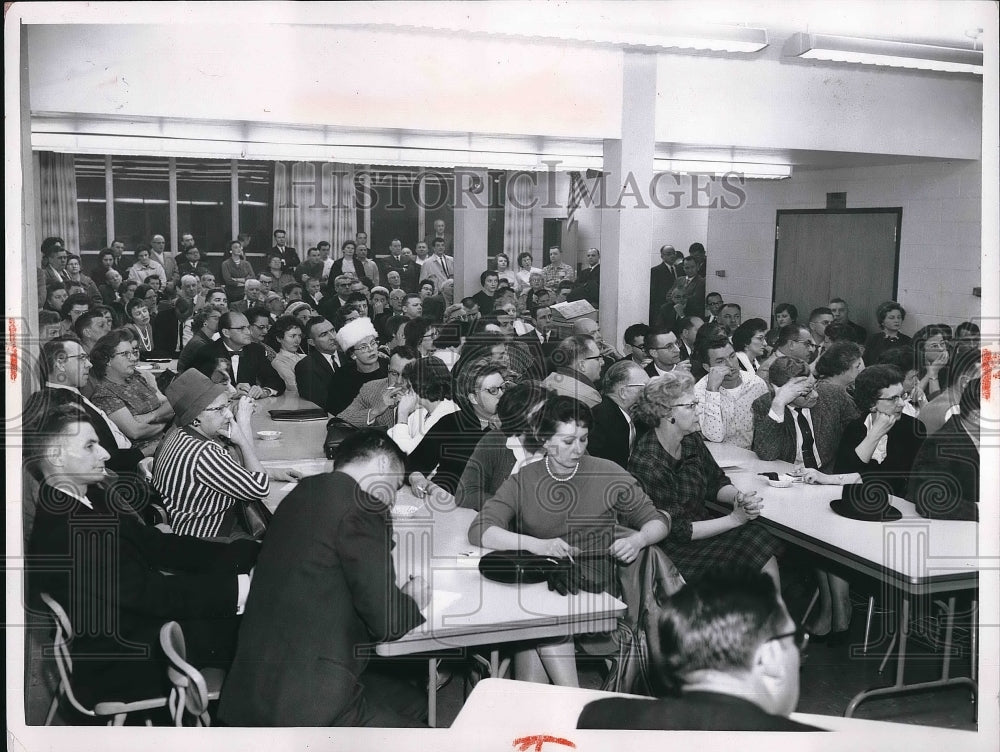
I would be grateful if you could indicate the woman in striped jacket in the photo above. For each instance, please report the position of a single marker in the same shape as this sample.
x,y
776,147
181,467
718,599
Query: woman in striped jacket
x,y
200,481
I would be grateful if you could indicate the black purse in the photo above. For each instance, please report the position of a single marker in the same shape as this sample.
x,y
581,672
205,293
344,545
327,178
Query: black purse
x,y
337,429
519,567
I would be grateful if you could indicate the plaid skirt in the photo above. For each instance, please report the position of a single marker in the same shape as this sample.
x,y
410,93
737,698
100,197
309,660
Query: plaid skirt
x,y
749,545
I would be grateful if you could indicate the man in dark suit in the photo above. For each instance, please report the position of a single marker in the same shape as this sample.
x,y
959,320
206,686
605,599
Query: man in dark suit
x,y
120,579
612,430
64,370
314,373
661,280
289,258
324,592
783,425
588,281
842,315
249,369
731,655
541,340
394,261
944,481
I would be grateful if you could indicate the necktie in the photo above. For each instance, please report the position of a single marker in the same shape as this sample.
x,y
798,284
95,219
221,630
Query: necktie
x,y
808,457
631,436
444,263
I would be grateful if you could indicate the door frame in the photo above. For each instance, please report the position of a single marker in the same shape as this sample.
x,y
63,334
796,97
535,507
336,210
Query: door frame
x,y
897,210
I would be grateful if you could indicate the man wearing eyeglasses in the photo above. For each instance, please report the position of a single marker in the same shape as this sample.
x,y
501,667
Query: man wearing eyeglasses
x,y
612,430
732,654
665,352
577,363
794,341
249,371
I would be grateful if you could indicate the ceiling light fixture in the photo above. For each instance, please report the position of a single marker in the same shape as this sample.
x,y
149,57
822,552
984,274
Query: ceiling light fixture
x,y
718,169
884,52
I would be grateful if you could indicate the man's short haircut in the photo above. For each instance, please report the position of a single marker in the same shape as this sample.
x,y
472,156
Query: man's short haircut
x,y
696,248
437,240
289,288
485,276
717,622
210,293
275,234
789,333
310,323
410,295
572,349
43,430
815,313
635,330
784,369
52,242
732,305
51,287
366,444
714,340
838,332
901,357
226,320
51,352
565,285
618,375
714,295
836,359
838,300
746,332
47,317
404,351
430,282
788,308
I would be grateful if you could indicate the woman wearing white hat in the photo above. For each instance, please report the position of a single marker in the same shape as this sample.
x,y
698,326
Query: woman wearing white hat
x,y
358,340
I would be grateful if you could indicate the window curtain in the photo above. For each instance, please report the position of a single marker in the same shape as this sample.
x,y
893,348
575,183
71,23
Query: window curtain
x,y
314,201
57,197
517,215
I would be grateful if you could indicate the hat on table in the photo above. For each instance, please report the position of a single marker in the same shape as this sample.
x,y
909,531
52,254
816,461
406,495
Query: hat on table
x,y
869,501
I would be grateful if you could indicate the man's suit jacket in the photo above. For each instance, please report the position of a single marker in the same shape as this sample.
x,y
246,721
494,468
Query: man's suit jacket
x,y
570,383
588,286
313,379
772,440
434,269
609,433
47,398
166,333
195,270
944,479
692,711
540,351
661,280
324,589
289,257
121,581
329,305
255,369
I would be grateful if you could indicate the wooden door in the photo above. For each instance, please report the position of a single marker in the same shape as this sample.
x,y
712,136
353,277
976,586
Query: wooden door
x,y
848,253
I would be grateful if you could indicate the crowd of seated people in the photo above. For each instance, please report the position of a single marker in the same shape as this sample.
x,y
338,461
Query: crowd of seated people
x,y
480,403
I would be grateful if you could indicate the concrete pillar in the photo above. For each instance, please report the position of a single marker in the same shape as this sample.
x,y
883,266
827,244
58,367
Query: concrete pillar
x,y
626,219
471,229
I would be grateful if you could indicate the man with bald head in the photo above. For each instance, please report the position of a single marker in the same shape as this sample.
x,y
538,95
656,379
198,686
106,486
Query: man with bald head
x,y
158,252
249,369
590,328
612,430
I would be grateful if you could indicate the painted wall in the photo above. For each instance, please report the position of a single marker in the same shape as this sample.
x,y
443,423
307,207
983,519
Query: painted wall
x,y
940,244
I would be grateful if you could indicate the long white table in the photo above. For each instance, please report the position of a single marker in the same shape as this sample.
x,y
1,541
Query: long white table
x,y
300,440
915,555
522,709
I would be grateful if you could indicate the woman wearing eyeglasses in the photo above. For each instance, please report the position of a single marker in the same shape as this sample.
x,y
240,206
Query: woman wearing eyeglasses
x,y
673,466
136,407
450,441
880,445
358,340
200,481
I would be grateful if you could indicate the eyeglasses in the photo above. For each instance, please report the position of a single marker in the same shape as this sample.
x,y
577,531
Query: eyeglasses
x,y
593,357
366,346
216,409
495,390
263,327
240,328
807,342
800,635
687,404
898,398
128,353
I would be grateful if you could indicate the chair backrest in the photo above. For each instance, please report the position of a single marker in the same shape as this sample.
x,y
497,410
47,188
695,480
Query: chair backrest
x,y
189,690
60,647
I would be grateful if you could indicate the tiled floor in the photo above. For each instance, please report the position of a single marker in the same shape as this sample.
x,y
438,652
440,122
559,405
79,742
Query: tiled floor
x,y
830,676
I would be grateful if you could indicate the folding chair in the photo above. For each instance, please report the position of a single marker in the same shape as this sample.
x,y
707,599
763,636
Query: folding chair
x,y
192,689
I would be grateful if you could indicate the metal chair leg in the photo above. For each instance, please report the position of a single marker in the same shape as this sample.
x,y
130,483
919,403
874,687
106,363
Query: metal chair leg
x,y
868,621
885,658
